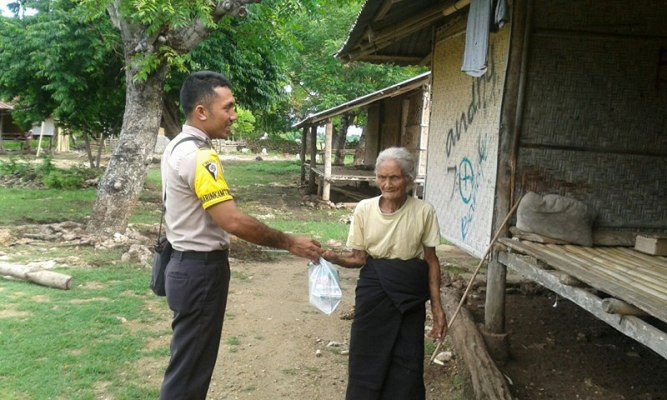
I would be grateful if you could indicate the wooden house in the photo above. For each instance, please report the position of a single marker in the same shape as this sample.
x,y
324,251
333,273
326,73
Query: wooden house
x,y
8,129
396,116
573,102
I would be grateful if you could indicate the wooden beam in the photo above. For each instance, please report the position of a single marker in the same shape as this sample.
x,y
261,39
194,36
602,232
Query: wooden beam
x,y
313,159
494,316
633,327
326,187
302,155
382,38
388,4
487,380
398,59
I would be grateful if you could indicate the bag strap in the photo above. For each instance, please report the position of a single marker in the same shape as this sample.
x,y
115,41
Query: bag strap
x,y
164,198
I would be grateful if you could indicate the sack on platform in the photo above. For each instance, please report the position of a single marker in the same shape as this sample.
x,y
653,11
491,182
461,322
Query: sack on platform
x,y
556,217
161,256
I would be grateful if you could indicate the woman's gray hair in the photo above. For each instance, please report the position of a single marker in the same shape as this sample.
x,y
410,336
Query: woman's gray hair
x,y
404,159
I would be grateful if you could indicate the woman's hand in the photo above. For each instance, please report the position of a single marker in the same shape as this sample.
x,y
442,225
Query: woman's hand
x,y
439,328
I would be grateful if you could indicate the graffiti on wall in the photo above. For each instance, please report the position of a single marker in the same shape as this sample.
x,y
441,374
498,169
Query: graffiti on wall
x,y
483,94
470,177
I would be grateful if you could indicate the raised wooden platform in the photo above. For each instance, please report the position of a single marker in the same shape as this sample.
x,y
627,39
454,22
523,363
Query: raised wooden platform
x,y
352,175
623,273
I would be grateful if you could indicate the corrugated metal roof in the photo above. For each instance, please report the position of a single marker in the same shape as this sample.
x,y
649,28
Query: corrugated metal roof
x,y
391,91
397,31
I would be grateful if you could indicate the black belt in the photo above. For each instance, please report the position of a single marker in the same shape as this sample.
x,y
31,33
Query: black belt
x,y
199,255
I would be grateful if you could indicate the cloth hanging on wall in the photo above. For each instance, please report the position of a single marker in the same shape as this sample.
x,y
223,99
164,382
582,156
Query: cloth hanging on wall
x,y
480,24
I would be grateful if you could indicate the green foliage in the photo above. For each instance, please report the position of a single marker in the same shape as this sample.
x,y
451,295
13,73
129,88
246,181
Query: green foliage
x,y
47,175
291,136
70,179
274,144
244,126
17,168
63,64
319,81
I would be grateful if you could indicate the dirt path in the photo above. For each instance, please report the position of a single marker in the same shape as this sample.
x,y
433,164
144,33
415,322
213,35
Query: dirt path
x,y
275,345
272,336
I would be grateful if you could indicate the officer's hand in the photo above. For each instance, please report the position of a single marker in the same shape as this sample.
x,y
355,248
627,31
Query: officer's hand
x,y
305,247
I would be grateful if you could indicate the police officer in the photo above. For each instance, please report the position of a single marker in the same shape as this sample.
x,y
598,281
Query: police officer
x,y
200,214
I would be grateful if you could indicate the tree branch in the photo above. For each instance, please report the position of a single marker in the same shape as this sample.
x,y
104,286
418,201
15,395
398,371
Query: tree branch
x,y
186,39
232,8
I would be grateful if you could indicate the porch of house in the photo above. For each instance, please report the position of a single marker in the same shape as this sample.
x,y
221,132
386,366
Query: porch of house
x,y
591,276
353,182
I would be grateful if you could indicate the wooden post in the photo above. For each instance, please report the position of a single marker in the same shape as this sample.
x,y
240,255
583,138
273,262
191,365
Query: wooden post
x,y
302,155
494,308
326,185
39,143
403,129
313,159
424,122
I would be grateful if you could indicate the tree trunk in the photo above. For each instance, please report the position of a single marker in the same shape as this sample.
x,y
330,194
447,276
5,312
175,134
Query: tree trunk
x,y
89,151
123,180
171,121
41,277
360,151
100,147
340,139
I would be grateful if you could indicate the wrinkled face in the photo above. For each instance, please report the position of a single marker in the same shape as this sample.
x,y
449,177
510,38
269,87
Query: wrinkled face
x,y
219,115
391,181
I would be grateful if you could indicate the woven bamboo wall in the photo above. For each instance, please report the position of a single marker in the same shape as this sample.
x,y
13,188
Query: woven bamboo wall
x,y
385,129
391,122
595,118
411,138
463,140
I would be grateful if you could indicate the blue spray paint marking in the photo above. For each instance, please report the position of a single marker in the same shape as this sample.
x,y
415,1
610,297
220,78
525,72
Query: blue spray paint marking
x,y
470,182
466,177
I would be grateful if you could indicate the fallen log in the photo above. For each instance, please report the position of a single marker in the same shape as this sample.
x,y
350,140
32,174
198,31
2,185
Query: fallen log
x,y
487,380
35,275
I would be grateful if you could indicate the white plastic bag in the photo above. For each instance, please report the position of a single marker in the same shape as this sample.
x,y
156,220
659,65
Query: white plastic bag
x,y
324,286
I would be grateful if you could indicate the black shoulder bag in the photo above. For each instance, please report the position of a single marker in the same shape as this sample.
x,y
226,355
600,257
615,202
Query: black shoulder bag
x,y
162,249
161,257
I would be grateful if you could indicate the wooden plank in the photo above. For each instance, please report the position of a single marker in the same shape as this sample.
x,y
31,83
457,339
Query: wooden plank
x,y
601,271
606,262
633,327
647,299
656,246
629,265
605,274
658,261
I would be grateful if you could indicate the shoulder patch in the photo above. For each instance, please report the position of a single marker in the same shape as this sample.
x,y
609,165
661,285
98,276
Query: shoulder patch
x,y
212,168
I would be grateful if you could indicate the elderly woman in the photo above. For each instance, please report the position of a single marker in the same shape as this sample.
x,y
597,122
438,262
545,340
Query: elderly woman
x,y
392,239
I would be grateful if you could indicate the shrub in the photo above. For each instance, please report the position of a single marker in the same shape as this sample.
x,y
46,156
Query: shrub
x,y
274,144
48,175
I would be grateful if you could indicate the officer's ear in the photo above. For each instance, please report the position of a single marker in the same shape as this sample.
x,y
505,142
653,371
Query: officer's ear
x,y
200,113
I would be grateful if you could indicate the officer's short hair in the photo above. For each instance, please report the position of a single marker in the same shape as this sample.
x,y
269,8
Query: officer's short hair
x,y
199,88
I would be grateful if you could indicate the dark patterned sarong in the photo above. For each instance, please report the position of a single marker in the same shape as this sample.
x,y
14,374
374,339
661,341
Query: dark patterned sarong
x,y
387,337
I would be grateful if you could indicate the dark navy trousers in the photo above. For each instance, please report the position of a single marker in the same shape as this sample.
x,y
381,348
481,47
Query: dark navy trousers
x,y
197,286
